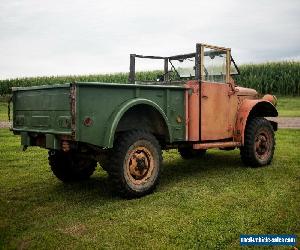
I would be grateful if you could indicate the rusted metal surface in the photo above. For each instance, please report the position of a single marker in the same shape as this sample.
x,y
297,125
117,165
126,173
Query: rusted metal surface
x,y
218,111
192,106
214,47
263,147
228,51
246,92
270,98
229,144
232,113
182,56
243,113
187,114
139,165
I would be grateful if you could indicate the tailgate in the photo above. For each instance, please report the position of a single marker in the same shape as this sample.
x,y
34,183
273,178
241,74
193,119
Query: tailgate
x,y
43,109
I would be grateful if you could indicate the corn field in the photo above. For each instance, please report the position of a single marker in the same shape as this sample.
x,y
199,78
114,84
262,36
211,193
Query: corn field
x,y
281,78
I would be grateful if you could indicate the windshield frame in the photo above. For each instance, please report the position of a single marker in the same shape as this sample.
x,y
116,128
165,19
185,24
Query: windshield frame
x,y
198,55
183,58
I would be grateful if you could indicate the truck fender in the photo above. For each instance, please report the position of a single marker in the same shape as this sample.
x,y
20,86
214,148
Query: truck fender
x,y
252,108
120,111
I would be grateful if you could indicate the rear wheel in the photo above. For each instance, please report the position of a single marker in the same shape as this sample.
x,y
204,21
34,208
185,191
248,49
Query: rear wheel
x,y
135,163
189,152
104,161
259,143
70,167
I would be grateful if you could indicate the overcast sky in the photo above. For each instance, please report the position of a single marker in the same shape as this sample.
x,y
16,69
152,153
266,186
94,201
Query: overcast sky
x,y
62,37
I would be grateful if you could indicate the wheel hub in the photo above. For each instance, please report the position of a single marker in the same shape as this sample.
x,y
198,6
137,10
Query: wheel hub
x,y
139,165
262,147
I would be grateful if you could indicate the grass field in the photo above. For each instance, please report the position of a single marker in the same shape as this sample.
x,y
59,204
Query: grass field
x,y
280,78
288,106
3,111
199,204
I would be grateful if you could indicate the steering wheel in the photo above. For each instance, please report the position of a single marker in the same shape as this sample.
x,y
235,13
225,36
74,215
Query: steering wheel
x,y
161,78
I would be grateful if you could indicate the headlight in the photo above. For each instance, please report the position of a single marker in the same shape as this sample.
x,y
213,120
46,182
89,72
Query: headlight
x,y
271,98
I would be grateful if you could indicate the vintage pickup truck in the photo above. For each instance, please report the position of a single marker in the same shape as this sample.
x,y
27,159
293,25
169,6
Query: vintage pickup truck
x,y
193,105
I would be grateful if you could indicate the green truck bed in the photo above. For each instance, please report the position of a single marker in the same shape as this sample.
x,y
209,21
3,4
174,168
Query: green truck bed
x,y
91,112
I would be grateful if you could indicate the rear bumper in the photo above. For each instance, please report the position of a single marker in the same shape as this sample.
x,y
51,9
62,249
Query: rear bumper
x,y
44,140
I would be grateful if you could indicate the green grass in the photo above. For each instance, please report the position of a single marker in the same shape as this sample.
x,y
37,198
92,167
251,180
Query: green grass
x,y
3,111
288,106
199,204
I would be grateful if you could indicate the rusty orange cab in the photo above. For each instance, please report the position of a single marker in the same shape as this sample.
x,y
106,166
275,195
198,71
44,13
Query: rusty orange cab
x,y
222,115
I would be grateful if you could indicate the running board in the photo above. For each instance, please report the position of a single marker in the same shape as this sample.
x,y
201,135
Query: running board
x,y
229,144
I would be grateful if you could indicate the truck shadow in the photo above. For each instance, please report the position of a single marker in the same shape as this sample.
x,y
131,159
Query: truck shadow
x,y
222,163
174,169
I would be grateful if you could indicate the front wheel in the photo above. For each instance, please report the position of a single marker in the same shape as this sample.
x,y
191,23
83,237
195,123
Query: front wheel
x,y
259,143
135,163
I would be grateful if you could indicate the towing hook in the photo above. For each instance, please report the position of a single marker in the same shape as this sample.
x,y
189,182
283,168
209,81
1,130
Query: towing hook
x,y
65,146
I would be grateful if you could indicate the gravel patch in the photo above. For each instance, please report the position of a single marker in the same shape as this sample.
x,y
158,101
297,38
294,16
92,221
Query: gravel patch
x,y
286,122
4,124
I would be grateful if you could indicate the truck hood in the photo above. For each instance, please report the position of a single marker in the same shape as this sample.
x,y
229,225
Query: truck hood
x,y
246,92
